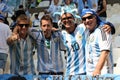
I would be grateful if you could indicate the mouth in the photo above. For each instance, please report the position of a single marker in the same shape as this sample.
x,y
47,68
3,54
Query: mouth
x,y
68,24
45,32
88,23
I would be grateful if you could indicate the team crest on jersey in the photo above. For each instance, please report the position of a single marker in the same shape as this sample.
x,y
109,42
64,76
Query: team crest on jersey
x,y
90,39
79,37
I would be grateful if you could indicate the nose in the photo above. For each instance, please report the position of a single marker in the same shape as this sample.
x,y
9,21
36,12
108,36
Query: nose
x,y
46,27
23,26
87,20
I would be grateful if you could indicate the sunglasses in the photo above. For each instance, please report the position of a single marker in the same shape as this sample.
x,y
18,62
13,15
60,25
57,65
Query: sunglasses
x,y
88,17
22,25
67,18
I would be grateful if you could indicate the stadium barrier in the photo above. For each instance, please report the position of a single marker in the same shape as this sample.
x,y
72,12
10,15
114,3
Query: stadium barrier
x,y
59,77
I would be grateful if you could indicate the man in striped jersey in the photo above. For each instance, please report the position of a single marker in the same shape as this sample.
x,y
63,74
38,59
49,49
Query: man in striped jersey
x,y
74,38
50,49
21,48
98,45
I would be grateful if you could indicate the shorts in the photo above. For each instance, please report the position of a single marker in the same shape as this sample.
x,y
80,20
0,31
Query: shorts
x,y
3,60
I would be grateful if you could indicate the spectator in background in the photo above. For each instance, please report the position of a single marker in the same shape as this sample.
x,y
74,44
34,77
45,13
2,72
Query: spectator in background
x,y
55,7
101,11
5,32
69,5
13,24
20,11
21,46
36,21
82,4
38,2
6,21
5,9
32,4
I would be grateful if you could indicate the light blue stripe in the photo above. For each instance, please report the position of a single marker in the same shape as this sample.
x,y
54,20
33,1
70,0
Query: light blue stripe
x,y
25,58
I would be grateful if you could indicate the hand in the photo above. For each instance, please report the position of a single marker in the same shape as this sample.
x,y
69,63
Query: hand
x,y
107,28
96,72
15,37
54,29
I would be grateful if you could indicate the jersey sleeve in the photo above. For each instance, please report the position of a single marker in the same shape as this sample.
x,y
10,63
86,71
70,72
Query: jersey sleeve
x,y
105,40
34,33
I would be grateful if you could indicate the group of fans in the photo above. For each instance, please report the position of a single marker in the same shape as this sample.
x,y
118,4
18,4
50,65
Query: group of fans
x,y
70,39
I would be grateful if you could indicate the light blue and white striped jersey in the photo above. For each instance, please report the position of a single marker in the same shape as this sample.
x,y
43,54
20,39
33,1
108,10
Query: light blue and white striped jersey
x,y
21,57
98,41
49,60
75,43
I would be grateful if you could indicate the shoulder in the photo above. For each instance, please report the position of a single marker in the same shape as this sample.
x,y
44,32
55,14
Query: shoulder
x,y
52,5
3,25
99,31
57,33
35,30
81,27
63,32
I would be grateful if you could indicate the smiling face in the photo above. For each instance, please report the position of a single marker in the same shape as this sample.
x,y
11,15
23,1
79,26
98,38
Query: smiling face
x,y
68,21
23,25
90,21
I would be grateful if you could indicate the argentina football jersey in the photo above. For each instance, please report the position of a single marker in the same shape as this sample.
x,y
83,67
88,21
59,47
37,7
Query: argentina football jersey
x,y
49,52
97,42
75,50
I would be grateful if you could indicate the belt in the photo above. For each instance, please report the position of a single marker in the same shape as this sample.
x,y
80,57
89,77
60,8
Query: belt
x,y
51,73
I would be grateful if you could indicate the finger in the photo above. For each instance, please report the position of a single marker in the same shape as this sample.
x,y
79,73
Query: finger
x,y
107,30
18,37
104,27
96,75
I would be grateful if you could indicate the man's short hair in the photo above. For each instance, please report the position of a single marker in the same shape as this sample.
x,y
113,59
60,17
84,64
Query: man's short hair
x,y
46,17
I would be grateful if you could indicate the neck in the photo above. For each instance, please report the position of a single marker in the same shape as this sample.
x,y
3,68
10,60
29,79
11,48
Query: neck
x,y
23,36
48,37
92,30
